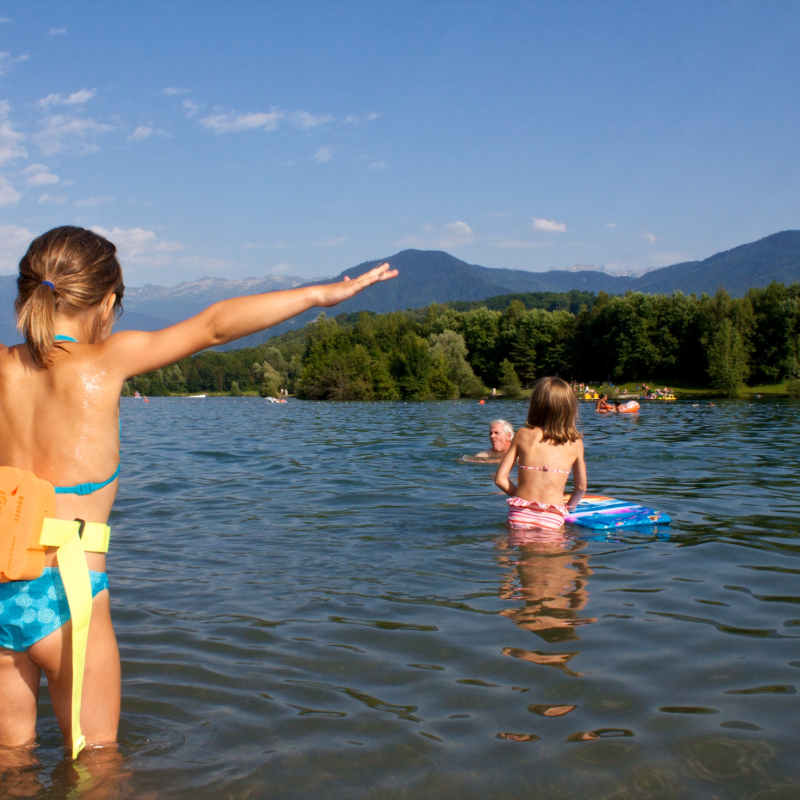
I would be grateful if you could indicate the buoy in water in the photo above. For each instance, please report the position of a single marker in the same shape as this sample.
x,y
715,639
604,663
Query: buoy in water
x,y
481,402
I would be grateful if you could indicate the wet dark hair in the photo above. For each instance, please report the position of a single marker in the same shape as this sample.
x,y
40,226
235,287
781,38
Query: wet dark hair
x,y
554,409
67,269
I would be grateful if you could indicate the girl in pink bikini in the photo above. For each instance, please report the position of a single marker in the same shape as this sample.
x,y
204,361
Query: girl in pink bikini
x,y
549,447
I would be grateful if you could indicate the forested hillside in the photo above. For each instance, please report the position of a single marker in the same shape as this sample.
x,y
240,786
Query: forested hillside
x,y
444,352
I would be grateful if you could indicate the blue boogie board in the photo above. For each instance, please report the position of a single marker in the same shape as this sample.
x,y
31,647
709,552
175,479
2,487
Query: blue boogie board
x,y
605,513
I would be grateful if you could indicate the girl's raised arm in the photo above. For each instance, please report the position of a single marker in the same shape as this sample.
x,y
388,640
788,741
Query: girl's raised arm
x,y
130,353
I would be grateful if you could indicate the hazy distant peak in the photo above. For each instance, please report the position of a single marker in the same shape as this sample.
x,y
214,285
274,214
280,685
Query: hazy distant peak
x,y
209,284
616,273
581,268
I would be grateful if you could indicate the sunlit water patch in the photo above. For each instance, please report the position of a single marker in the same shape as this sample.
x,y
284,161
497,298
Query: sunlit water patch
x,y
321,600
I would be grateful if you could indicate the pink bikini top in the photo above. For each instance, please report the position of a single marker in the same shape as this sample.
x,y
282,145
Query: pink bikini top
x,y
545,468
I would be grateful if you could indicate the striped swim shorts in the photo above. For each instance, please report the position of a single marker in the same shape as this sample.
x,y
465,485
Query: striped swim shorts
x,y
532,514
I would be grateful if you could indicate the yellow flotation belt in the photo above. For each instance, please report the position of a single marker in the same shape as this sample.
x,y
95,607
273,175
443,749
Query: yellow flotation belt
x,y
27,529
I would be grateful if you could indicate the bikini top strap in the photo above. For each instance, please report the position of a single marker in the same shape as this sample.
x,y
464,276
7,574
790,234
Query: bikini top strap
x,y
545,468
87,488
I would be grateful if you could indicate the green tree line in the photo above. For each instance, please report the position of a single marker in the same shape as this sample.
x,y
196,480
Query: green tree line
x,y
458,350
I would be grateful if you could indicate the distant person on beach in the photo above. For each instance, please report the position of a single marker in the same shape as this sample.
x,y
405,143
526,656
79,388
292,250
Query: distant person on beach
x,y
59,422
500,433
548,448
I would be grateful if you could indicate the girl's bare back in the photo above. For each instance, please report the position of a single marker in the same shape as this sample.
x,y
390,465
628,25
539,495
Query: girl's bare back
x,y
543,466
62,424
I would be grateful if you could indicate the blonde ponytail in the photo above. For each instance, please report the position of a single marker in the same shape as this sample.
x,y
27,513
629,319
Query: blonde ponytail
x,y
36,322
65,270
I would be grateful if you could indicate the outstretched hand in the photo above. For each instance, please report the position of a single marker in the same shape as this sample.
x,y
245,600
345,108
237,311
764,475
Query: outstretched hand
x,y
334,293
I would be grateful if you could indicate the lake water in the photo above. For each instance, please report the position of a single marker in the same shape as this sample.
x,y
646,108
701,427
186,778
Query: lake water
x,y
319,600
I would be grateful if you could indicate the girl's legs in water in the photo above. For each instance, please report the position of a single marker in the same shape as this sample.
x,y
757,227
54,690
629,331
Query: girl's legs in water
x,y
19,688
20,674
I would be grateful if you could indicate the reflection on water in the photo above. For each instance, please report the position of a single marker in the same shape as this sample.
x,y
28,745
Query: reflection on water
x,y
321,599
552,581
550,576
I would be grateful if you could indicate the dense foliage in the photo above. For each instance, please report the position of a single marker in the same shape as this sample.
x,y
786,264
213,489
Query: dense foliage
x,y
450,351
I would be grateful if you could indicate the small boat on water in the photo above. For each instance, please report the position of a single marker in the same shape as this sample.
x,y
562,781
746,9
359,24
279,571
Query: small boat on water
x,y
669,396
196,396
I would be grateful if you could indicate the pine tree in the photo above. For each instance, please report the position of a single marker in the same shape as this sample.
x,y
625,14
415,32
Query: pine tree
x,y
727,359
509,381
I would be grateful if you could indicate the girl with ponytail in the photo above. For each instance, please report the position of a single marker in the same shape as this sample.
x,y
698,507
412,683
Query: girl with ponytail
x,y
59,421
66,270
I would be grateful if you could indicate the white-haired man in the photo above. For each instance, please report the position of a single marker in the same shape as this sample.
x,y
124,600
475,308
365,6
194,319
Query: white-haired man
x,y
501,432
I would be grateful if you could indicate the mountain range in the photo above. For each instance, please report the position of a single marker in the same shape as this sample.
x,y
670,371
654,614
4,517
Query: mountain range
x,y
428,276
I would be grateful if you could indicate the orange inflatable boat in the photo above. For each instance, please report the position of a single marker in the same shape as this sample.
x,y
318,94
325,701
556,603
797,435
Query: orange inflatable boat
x,y
631,407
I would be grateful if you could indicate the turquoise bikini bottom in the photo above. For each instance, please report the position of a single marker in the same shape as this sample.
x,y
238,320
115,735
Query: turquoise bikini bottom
x,y
31,610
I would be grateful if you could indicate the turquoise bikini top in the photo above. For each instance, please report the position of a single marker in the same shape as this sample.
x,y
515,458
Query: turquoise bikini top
x,y
83,488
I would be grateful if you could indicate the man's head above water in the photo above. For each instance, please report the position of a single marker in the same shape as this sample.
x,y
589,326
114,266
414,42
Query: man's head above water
x,y
501,432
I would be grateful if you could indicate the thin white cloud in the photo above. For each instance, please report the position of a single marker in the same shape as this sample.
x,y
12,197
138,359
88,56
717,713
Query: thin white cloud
x,y
61,132
284,268
190,107
74,99
453,234
377,165
39,175
147,256
14,241
173,90
6,60
548,225
610,225
648,236
145,132
8,194
59,199
137,242
354,119
5,21
332,242
56,31
10,140
231,123
304,120
142,132
91,202
322,155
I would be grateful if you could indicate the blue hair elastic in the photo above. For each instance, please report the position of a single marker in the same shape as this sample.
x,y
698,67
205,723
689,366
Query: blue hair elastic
x,y
47,283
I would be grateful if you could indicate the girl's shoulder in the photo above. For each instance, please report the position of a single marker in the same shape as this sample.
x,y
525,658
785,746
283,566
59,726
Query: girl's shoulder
x,y
529,435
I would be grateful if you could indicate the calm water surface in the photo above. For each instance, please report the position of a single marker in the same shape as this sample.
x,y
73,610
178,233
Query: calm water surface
x,y
319,600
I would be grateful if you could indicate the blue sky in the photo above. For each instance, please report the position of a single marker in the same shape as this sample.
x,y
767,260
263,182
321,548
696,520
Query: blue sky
x,y
248,138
